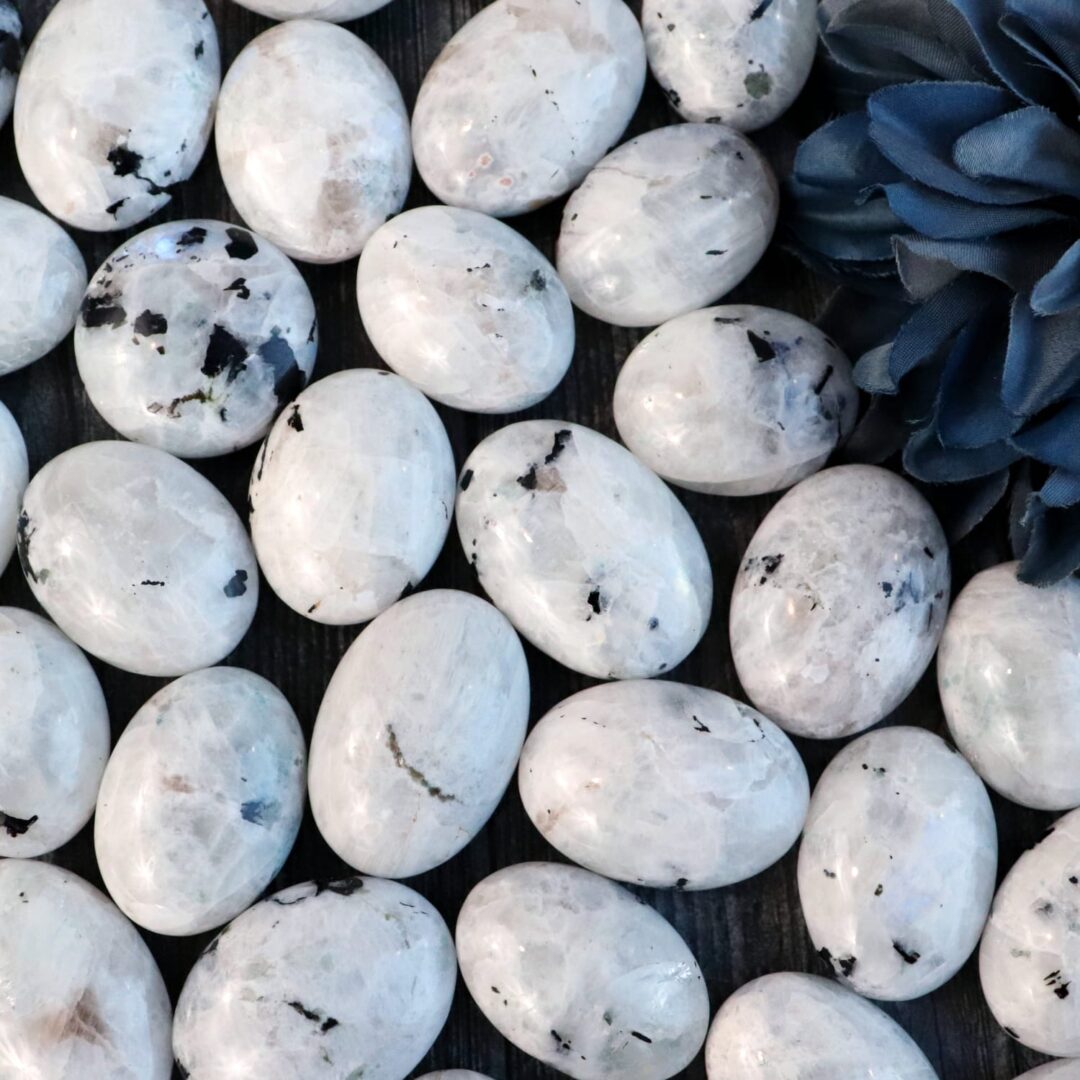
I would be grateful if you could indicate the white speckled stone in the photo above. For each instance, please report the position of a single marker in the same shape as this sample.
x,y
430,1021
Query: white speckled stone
x,y
330,10
14,475
54,736
348,979
192,336
742,62
201,801
588,554
897,864
466,309
418,733
114,107
667,223
579,973
1057,1070
10,55
663,784
801,1027
351,496
313,140
82,995
524,99
839,601
735,400
138,558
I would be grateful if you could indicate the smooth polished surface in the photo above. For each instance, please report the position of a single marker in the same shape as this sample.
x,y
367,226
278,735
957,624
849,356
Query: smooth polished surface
x,y
14,475
10,55
330,10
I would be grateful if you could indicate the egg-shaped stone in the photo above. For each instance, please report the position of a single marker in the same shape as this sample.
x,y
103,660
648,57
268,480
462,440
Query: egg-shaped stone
x,y
82,994
54,736
193,334
839,601
349,978
581,974
42,278
330,10
138,558
897,863
663,784
14,476
740,63
201,801
666,224
351,496
802,1027
736,400
524,99
466,309
313,140
587,552
10,55
114,107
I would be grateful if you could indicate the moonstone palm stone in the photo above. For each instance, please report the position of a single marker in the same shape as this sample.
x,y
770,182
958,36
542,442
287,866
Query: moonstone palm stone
x,y
114,107
839,602
667,223
663,784
10,55
466,309
351,496
313,140
348,979
330,10
579,973
14,475
524,99
192,336
137,558
586,551
736,400
82,994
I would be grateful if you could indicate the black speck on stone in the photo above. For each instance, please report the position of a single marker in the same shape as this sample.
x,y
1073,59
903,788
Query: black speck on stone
x,y
192,238
1062,991
114,208
825,377
241,244
149,323
15,826
237,584
725,321
200,49
682,883
562,1045
562,439
254,810
760,10
886,588
278,353
103,310
595,601
771,563
928,553
224,353
762,349
528,479
328,1023
654,622
538,281
643,1038
124,160
674,97
829,873
306,1013
879,890
909,955
239,286
699,726
846,965
466,479
294,420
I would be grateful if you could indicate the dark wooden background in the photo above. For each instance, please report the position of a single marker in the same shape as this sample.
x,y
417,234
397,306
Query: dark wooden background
x,y
737,933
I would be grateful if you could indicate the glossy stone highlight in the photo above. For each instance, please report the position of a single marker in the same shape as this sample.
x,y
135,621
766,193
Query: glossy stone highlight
x,y
330,10
14,475
11,51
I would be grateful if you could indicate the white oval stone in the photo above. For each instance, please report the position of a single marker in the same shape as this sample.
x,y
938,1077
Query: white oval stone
x,y
192,336
313,140
897,863
138,558
330,10
348,978
114,106
54,736
82,994
524,99
742,62
588,554
418,733
10,55
663,784
802,1027
839,601
667,223
201,801
14,476
579,973
736,400
1009,674
466,309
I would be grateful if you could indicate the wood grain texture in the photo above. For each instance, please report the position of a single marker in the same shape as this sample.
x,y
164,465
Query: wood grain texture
x,y
737,933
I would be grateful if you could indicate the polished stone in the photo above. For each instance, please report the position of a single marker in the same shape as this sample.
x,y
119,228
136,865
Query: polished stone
x,y
14,475
10,56
330,10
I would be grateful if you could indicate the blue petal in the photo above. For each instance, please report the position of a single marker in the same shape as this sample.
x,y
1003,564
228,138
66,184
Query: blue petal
x,y
1047,30
841,154
961,506
1053,545
1058,289
926,459
1061,489
1043,360
945,217
834,225
1054,441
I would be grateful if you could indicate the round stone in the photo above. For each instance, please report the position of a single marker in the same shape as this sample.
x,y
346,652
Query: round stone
x,y
14,475
346,978
115,105
137,558
1009,674
10,55
802,1027
737,400
897,863
742,63
666,224
839,601
54,736
313,140
581,974
82,994
662,784
586,551
201,801
193,334
466,309
524,99
330,10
